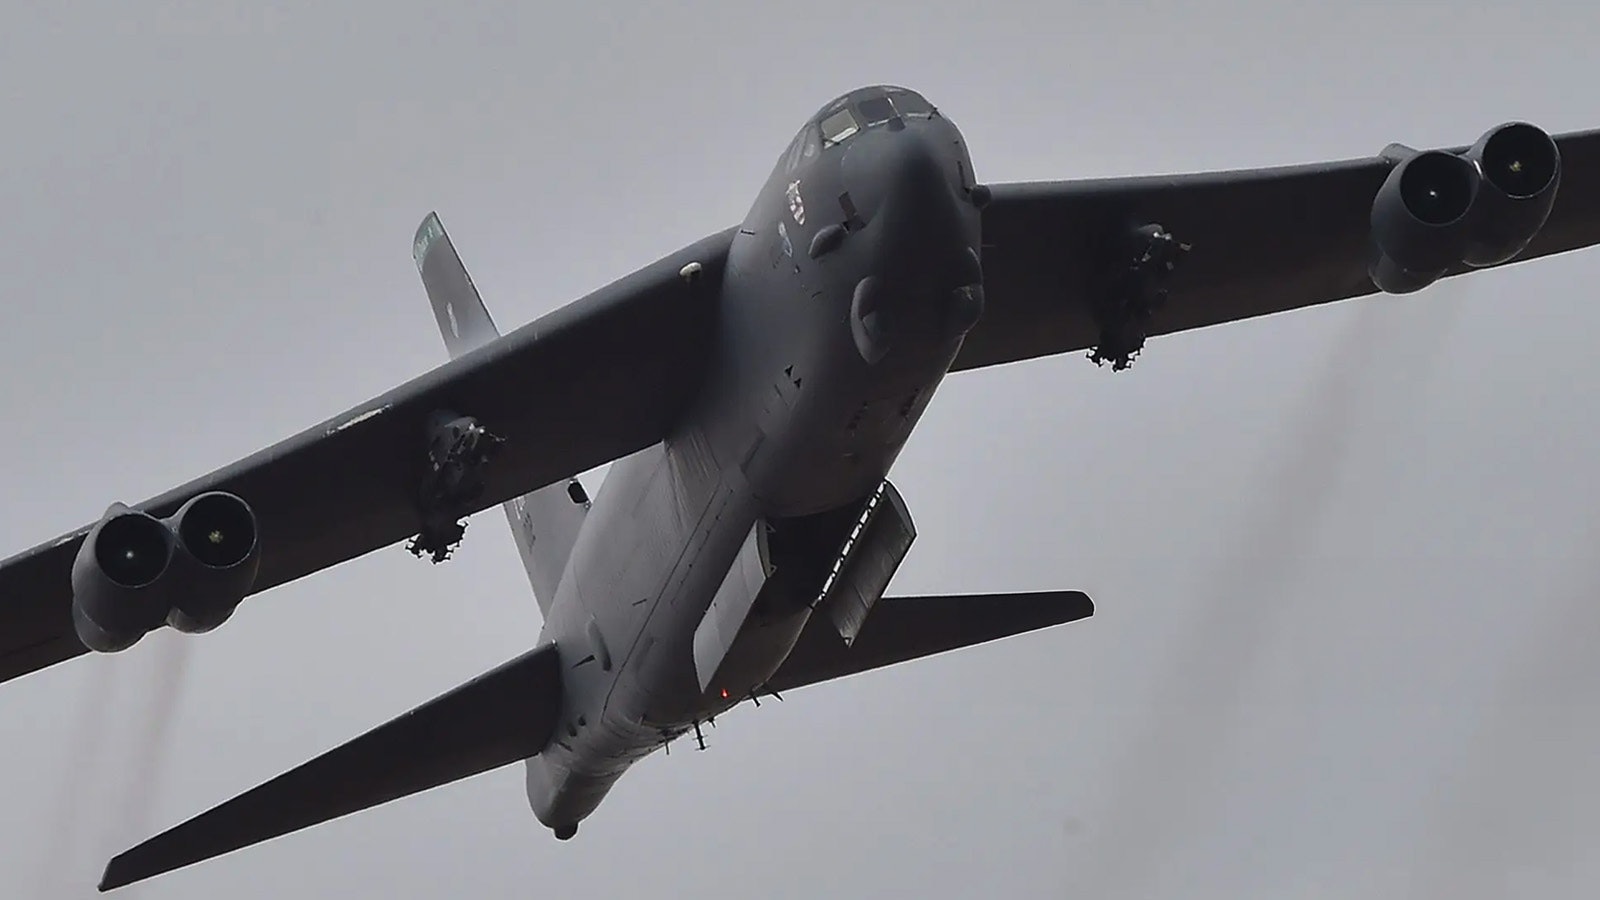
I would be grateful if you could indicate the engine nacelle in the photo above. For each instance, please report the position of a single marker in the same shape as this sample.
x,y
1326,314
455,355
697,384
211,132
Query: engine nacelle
x,y
119,584
135,572
1520,167
1420,220
218,555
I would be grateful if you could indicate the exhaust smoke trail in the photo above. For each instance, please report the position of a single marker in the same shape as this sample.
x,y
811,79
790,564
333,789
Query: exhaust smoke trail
x,y
84,748
127,782
150,746
1165,780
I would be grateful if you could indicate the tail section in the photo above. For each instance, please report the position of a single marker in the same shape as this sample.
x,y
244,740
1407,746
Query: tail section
x,y
503,715
544,523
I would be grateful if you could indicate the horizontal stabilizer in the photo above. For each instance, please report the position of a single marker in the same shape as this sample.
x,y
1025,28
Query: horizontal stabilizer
x,y
905,628
500,717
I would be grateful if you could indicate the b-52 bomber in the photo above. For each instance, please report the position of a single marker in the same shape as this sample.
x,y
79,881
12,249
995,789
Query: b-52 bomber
x,y
751,392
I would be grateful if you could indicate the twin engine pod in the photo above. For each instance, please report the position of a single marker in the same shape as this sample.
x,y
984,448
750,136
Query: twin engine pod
x,y
1482,207
135,572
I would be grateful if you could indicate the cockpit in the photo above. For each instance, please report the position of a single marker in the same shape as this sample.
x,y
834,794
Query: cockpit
x,y
869,108
857,111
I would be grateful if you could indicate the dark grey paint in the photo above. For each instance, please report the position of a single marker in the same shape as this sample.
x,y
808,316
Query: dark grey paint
x,y
775,399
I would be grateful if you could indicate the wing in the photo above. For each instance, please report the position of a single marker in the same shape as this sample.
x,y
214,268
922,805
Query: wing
x,y
584,385
1263,241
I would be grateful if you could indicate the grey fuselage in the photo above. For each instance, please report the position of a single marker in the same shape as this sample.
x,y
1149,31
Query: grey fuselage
x,y
823,366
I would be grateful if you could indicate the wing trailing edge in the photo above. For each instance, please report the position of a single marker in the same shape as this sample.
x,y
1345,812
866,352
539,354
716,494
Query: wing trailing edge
x,y
505,715
591,382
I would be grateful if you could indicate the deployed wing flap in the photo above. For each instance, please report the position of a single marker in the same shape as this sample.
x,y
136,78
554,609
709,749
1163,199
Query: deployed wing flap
x,y
875,550
498,718
1262,241
906,628
586,384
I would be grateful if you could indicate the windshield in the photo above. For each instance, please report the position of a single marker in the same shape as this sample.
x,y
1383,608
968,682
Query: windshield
x,y
910,103
868,108
876,110
838,127
802,149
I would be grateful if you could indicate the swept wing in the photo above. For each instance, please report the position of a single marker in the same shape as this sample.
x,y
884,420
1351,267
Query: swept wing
x,y
586,384
1261,241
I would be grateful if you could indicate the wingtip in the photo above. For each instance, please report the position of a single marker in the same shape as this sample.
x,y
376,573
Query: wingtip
x,y
122,871
109,880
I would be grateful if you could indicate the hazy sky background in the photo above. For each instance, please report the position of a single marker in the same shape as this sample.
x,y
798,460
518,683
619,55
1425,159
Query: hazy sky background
x,y
1343,558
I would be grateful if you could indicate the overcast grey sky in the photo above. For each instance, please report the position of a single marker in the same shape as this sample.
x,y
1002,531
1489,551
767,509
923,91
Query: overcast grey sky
x,y
1343,558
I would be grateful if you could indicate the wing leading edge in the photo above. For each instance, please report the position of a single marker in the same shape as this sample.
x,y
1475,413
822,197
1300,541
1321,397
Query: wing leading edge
x,y
1262,241
586,384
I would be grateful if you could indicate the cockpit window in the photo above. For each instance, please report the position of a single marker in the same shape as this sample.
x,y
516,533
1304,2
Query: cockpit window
x,y
908,104
868,108
802,149
837,127
875,110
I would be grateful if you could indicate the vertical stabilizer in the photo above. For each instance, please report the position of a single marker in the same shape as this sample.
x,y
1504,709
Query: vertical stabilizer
x,y
544,523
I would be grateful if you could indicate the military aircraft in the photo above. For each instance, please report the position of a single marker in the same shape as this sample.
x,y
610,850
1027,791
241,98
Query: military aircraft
x,y
751,393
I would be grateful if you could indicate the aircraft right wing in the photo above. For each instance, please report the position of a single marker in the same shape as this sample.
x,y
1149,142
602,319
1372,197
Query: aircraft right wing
x,y
586,384
906,628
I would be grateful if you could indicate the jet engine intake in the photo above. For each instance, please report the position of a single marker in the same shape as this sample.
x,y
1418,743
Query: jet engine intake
x,y
1520,166
119,588
1420,220
1480,207
135,572
220,553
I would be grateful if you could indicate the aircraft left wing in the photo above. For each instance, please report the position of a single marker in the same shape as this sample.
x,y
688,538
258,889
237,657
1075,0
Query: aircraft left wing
x,y
1260,241
586,384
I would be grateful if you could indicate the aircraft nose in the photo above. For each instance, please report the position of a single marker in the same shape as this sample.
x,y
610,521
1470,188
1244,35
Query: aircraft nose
x,y
926,281
909,175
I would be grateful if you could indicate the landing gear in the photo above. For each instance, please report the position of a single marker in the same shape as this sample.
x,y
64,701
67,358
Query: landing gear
x,y
1135,289
566,832
459,447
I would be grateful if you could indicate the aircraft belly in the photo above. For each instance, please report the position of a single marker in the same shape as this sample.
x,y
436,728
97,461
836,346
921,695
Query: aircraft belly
x,y
662,517
808,422
795,422
560,795
730,606
665,686
663,532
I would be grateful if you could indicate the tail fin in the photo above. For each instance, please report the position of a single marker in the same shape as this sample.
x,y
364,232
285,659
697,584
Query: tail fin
x,y
554,513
